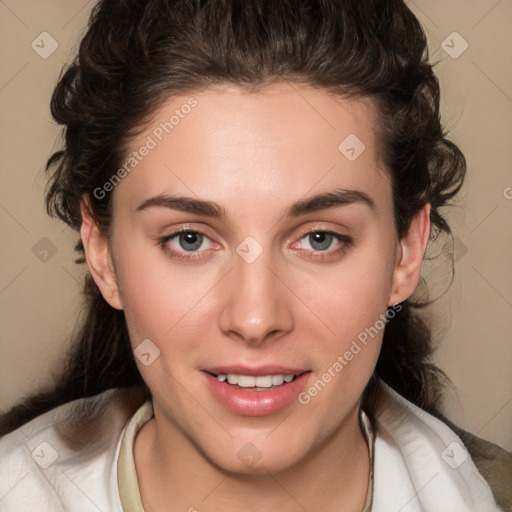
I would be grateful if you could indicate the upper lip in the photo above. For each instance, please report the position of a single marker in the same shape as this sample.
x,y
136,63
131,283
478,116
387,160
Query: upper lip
x,y
255,371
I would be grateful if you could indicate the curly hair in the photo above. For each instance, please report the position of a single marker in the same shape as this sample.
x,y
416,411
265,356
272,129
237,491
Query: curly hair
x,y
136,55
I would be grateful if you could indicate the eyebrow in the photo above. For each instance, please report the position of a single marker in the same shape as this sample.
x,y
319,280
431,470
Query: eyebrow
x,y
322,201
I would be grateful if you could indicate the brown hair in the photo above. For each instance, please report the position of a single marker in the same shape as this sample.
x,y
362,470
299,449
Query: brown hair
x,y
135,55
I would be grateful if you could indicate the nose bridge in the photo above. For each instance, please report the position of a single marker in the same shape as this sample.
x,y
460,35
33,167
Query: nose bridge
x,y
255,304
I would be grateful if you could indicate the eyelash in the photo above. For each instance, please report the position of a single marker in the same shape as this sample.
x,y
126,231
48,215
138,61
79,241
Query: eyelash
x,y
346,243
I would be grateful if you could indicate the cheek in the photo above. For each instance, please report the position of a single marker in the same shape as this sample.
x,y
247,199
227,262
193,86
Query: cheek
x,y
159,300
350,297
350,304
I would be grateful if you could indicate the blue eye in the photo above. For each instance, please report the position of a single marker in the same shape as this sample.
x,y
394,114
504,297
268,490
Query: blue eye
x,y
189,240
190,245
323,240
179,243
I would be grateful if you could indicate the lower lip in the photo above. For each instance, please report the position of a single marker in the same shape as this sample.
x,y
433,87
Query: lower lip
x,y
251,402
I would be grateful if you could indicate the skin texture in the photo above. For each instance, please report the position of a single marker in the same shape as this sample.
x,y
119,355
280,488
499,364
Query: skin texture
x,y
255,154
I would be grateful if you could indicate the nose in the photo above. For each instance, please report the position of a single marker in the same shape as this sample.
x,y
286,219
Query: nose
x,y
256,304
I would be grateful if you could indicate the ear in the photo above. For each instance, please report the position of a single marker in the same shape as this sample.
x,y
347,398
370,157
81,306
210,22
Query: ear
x,y
98,256
410,251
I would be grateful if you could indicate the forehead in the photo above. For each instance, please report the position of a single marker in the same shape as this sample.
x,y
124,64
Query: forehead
x,y
286,139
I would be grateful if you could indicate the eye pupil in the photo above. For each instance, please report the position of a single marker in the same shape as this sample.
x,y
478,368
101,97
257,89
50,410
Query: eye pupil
x,y
195,239
322,238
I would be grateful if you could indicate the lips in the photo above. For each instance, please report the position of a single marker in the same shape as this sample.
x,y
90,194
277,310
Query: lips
x,y
255,371
255,401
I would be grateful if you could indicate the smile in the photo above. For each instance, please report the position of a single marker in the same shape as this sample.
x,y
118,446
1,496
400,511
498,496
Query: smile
x,y
256,395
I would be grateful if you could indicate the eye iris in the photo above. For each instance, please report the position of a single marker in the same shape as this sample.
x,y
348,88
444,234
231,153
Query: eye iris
x,y
195,239
324,239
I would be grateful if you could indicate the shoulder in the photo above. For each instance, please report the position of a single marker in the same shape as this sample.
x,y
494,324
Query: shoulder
x,y
64,459
494,464
461,469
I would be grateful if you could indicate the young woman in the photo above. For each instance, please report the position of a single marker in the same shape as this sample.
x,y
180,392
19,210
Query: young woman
x,y
255,185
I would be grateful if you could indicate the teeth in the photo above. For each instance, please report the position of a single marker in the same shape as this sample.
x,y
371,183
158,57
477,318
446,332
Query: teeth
x,y
249,381
244,381
277,380
263,381
232,379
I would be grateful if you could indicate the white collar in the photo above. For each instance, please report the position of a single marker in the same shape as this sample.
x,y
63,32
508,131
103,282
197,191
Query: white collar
x,y
422,465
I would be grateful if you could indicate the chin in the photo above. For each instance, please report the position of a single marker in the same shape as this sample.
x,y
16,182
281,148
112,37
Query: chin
x,y
257,459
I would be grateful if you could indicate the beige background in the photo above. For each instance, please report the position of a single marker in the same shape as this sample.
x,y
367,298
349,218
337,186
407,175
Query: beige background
x,y
39,300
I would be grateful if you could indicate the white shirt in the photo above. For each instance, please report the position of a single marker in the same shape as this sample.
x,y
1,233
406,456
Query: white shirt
x,y
419,463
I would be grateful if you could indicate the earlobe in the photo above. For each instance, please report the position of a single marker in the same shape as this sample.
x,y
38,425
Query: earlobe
x,y
410,251
98,256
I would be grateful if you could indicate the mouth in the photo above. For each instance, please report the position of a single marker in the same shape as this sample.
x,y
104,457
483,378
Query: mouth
x,y
266,382
256,392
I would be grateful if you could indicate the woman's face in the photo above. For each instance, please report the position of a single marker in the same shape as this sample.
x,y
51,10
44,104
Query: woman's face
x,y
287,264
